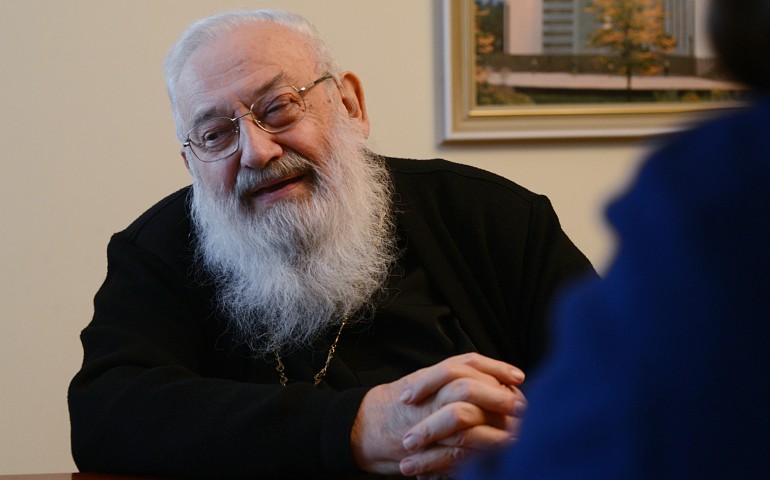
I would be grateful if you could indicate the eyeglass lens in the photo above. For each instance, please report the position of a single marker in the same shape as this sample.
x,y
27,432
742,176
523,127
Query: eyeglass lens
x,y
274,112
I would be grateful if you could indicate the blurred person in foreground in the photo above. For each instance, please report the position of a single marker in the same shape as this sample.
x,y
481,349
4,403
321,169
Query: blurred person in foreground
x,y
662,370
309,308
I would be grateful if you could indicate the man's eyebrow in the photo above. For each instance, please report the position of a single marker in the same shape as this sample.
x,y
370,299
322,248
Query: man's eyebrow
x,y
256,94
270,85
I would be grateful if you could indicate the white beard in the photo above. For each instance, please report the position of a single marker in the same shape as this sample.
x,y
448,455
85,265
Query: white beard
x,y
287,273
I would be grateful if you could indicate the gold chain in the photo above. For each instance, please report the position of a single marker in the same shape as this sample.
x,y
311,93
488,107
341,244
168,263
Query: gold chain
x,y
280,368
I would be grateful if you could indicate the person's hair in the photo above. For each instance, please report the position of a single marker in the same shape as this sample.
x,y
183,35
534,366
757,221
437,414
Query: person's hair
x,y
740,32
208,29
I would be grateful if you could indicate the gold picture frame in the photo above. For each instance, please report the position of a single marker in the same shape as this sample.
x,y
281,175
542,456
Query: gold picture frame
x,y
465,120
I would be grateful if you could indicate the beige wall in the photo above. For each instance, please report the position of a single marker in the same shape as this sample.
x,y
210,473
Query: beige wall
x,y
87,144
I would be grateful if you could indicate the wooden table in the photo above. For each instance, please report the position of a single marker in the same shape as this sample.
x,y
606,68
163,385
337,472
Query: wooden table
x,y
73,476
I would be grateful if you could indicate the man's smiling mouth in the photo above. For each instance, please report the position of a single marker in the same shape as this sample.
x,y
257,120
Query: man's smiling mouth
x,y
278,184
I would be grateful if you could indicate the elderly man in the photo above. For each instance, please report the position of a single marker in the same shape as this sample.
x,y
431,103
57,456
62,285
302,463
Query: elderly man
x,y
308,307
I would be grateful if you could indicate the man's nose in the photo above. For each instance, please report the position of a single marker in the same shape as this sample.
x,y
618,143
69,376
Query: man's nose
x,y
258,147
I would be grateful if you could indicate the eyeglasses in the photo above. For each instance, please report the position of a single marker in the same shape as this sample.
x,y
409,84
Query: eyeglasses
x,y
276,111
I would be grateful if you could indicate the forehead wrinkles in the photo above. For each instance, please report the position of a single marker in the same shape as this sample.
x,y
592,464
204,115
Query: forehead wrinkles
x,y
228,71
204,89
196,83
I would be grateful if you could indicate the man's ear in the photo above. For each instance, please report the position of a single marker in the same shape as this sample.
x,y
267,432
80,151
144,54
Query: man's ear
x,y
352,91
183,153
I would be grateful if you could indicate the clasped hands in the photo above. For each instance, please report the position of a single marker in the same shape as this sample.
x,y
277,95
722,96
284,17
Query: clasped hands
x,y
425,423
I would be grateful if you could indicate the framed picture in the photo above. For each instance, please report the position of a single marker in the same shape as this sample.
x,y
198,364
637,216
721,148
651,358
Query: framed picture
x,y
547,69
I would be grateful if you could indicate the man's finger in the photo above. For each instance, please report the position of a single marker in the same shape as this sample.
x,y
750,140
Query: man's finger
x,y
428,381
435,460
458,424
495,398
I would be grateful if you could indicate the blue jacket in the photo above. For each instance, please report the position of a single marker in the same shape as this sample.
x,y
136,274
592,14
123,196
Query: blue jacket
x,y
662,369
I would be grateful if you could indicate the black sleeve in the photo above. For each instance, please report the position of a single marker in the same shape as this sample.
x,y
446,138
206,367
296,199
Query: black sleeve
x,y
150,398
551,262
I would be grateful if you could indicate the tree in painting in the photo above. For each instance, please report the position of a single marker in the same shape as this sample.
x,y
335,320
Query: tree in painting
x,y
488,15
633,31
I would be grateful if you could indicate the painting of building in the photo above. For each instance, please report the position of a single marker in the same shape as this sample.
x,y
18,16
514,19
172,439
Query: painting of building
x,y
548,53
553,35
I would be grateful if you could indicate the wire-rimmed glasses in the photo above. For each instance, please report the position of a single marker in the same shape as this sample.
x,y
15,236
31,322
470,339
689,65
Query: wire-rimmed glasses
x,y
276,111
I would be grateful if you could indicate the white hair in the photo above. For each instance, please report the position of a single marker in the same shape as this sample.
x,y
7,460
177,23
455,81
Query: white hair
x,y
204,31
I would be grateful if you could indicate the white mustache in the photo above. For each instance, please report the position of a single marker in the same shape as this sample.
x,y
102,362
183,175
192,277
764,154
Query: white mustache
x,y
290,163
